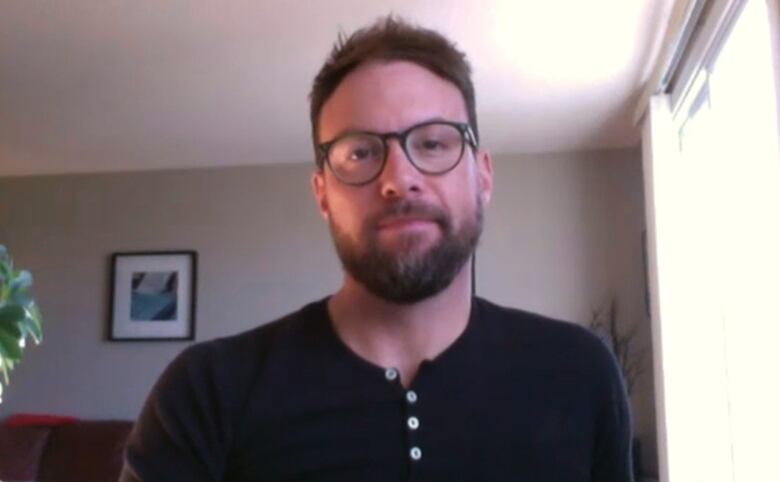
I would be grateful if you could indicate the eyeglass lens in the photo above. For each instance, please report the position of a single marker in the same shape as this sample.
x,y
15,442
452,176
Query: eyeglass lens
x,y
433,148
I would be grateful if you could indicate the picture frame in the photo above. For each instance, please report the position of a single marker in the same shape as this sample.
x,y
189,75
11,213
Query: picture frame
x,y
153,295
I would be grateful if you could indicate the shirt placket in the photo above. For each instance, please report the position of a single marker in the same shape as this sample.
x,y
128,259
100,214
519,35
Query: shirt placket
x,y
410,403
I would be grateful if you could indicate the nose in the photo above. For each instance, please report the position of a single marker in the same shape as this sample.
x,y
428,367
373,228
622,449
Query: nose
x,y
399,178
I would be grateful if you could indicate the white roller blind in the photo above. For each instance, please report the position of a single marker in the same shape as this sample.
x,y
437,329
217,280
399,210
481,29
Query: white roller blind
x,y
714,218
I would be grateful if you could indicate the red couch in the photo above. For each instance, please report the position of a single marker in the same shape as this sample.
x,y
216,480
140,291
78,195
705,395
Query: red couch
x,y
75,451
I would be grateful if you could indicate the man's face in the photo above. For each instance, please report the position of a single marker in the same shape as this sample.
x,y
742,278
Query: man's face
x,y
405,235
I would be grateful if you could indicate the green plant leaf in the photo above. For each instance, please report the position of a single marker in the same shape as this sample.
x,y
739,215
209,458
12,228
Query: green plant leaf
x,y
34,321
27,331
11,314
13,330
6,267
21,281
5,276
4,369
19,315
8,363
20,297
9,347
30,326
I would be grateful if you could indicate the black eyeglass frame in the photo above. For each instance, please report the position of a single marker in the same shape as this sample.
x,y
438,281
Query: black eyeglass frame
x,y
466,133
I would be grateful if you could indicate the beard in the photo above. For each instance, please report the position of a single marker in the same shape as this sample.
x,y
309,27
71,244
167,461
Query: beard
x,y
407,273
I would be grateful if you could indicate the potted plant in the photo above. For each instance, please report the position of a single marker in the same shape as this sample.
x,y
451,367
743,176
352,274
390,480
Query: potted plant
x,y
630,356
623,343
20,317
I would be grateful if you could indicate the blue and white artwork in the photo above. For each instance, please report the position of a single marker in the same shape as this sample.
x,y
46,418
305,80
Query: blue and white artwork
x,y
154,296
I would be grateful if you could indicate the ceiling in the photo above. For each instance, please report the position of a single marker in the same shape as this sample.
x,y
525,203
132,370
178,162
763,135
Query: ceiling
x,y
110,85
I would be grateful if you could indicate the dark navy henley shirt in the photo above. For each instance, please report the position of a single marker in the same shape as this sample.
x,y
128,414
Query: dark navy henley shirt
x,y
517,397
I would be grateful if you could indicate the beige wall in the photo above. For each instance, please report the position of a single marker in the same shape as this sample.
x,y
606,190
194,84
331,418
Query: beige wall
x,y
563,234
262,251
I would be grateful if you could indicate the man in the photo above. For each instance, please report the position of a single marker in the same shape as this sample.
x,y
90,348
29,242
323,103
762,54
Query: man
x,y
401,374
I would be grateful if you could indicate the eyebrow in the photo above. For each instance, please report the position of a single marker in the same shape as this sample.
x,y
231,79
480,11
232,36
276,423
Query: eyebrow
x,y
354,130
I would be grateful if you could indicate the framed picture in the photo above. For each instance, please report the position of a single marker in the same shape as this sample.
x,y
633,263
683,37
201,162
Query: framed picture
x,y
153,296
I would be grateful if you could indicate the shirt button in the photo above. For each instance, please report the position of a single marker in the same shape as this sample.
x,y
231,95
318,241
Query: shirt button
x,y
391,374
413,423
415,453
411,396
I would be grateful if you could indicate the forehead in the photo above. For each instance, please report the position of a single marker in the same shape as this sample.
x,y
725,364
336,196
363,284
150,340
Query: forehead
x,y
389,96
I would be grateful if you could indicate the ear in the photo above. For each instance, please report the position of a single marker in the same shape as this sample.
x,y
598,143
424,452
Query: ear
x,y
485,176
318,187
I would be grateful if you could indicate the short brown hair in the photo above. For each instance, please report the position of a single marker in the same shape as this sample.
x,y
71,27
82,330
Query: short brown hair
x,y
391,38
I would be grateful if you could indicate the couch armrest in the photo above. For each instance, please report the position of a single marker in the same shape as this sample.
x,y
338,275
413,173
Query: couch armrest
x,y
85,451
21,449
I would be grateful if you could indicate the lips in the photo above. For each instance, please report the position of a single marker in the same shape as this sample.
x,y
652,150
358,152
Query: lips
x,y
409,215
405,222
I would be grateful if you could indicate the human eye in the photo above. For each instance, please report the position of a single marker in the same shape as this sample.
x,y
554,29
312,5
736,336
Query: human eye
x,y
356,149
432,144
361,153
435,139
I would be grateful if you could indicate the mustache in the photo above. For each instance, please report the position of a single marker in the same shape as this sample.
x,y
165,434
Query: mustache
x,y
409,208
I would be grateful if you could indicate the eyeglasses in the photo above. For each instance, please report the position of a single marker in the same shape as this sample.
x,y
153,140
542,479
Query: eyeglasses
x,y
433,147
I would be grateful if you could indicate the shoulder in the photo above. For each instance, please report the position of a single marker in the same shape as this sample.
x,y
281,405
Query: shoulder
x,y
223,368
192,414
252,347
533,328
566,355
548,340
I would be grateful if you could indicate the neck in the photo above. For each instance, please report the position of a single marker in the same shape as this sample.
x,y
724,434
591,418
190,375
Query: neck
x,y
401,335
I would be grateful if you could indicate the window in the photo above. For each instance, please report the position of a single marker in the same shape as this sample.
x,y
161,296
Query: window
x,y
721,313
